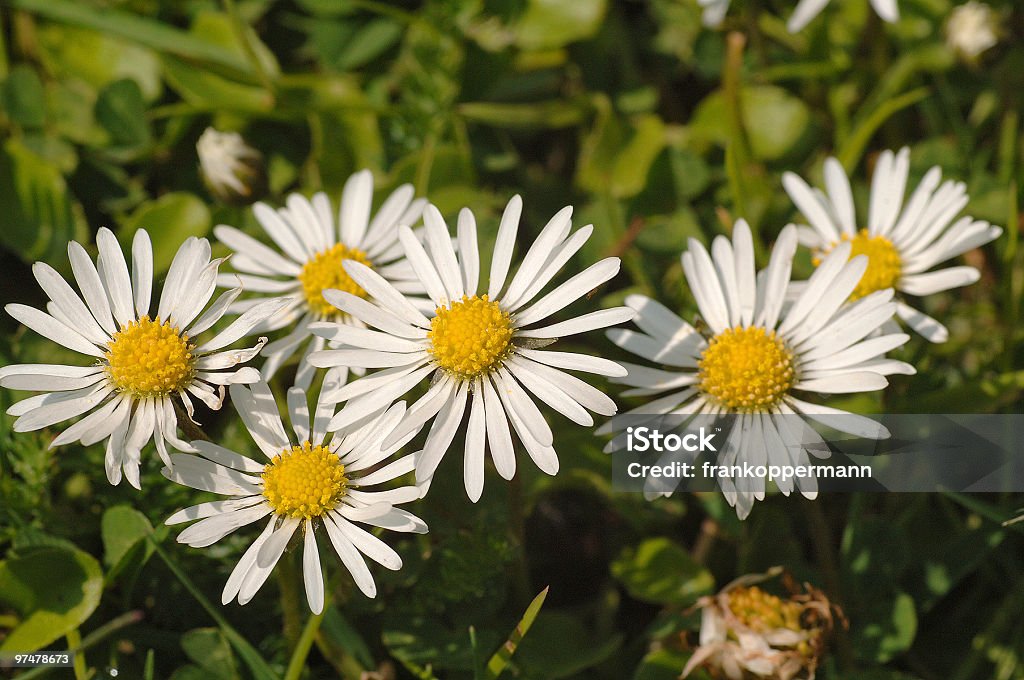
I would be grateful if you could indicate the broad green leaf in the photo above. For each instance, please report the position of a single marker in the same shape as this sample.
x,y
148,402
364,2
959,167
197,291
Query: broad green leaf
x,y
664,664
23,98
122,528
773,119
617,154
170,220
98,59
660,571
500,660
120,109
548,24
53,590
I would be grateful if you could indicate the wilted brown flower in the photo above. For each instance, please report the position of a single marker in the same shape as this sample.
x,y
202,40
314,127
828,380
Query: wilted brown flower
x,y
748,633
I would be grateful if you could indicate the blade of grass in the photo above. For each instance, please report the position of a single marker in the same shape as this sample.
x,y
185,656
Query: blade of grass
x,y
500,660
852,149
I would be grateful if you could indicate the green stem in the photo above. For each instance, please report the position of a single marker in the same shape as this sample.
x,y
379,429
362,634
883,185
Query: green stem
x,y
75,642
298,660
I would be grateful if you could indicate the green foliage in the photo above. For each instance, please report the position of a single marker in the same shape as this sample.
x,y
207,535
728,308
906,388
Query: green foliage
x,y
53,590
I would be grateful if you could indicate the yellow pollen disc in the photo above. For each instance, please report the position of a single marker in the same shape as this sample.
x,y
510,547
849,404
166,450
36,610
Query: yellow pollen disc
x,y
150,359
884,263
746,369
304,481
324,271
471,337
763,611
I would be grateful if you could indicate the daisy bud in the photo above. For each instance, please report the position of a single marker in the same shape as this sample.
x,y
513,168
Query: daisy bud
x,y
232,170
971,29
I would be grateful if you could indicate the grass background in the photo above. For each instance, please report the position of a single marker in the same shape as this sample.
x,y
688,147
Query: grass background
x,y
656,130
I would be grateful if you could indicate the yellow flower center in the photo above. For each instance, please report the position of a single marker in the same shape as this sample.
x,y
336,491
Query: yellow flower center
x,y
304,481
746,369
884,263
150,359
470,337
324,271
762,612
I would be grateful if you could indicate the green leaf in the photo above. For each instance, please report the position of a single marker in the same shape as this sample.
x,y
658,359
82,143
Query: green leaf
x,y
663,664
170,220
617,155
548,24
501,658
368,43
121,111
84,56
206,89
23,97
660,571
122,528
149,32
773,120
54,590
40,216
211,653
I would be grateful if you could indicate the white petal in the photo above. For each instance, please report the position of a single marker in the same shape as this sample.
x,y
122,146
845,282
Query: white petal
x,y
59,406
927,327
503,246
354,212
570,291
476,443
364,338
91,286
581,324
245,564
384,293
887,9
49,327
426,271
809,204
776,278
844,383
312,576
214,312
114,272
244,244
943,279
279,231
551,267
469,253
142,271
228,458
547,242
840,194
498,435
370,314
243,324
442,255
350,557
75,312
442,432
574,362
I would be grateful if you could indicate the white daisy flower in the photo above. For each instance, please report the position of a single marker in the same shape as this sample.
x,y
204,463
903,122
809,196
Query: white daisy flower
x,y
758,354
141,362
313,481
476,348
902,241
806,10
312,251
